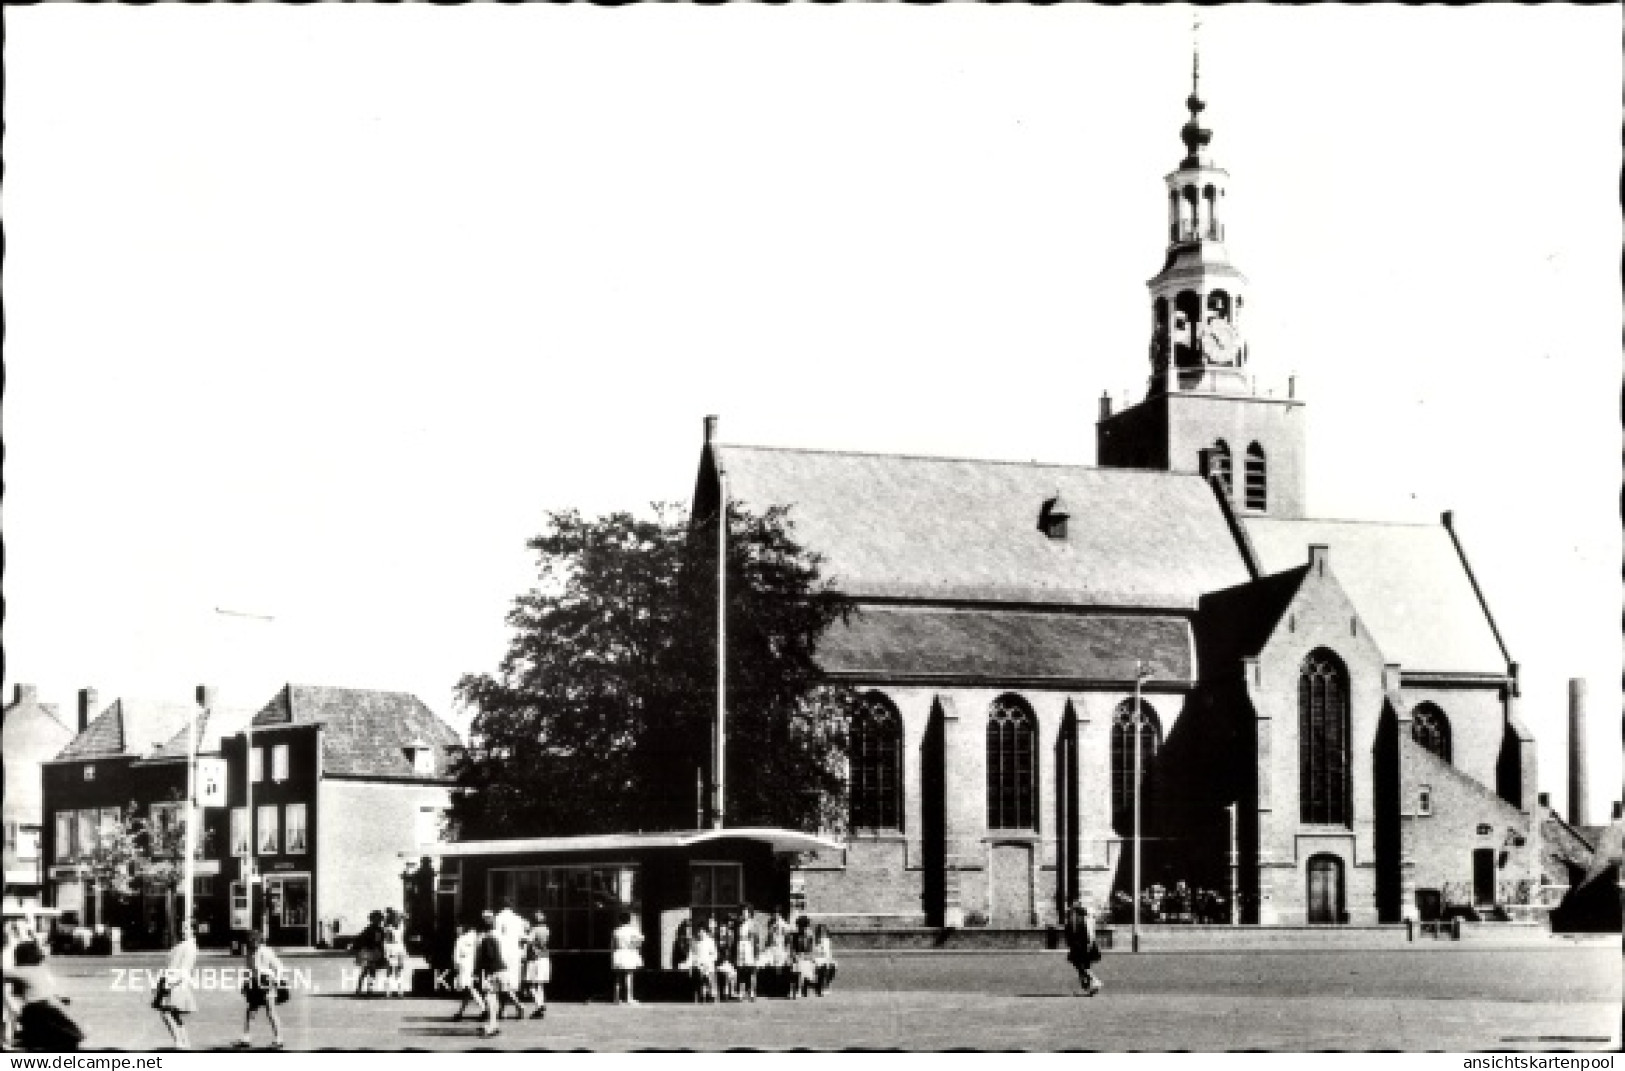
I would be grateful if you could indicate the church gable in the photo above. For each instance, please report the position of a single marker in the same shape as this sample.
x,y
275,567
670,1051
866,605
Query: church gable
x,y
1409,583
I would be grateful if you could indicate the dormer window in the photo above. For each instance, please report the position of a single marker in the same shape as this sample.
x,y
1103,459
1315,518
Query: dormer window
x,y
1053,516
421,756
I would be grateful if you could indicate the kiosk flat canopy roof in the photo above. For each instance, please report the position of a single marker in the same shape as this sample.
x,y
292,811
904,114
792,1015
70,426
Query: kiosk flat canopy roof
x,y
780,840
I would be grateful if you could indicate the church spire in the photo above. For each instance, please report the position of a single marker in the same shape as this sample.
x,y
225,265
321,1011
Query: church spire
x,y
1197,340
1196,136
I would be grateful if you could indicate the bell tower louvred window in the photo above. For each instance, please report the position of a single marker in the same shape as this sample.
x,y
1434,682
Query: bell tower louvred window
x,y
1255,497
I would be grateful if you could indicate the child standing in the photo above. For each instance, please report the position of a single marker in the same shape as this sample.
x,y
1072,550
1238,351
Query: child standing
x,y
727,972
263,989
705,964
624,957
176,999
823,958
538,965
462,959
747,952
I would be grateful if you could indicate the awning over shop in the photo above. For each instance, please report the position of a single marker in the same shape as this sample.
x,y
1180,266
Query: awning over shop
x,y
779,840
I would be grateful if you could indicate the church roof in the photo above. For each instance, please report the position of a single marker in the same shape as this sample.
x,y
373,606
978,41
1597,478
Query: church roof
x,y
934,643
955,529
1407,581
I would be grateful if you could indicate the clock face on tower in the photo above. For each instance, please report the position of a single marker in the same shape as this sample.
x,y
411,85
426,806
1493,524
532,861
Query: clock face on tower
x,y
1220,343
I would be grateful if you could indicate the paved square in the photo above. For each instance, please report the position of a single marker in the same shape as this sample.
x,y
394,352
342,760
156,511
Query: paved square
x,y
1441,997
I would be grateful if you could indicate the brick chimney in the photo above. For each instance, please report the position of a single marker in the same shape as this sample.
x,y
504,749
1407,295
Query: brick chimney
x,y
27,693
1319,554
711,423
207,694
1619,810
1545,799
88,703
1578,779
1105,405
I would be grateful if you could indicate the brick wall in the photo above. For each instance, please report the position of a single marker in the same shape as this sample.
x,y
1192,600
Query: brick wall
x,y
1477,725
1466,816
1169,431
1320,616
891,874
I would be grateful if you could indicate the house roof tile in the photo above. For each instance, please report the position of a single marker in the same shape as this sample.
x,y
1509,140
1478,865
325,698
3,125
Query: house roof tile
x,y
131,727
364,733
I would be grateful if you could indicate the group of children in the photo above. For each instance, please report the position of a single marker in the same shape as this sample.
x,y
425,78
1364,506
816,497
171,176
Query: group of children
x,y
265,985
501,963
380,952
725,961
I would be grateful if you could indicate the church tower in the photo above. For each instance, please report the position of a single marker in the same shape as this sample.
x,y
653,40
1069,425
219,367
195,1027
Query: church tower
x,y
1201,397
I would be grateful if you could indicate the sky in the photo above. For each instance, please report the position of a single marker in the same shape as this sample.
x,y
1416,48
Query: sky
x,y
314,313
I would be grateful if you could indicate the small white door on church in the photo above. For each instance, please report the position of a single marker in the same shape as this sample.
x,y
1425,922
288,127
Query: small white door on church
x,y
1011,876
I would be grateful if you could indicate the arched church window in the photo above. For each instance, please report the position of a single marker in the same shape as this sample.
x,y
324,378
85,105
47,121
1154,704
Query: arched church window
x,y
1012,767
1431,729
1323,741
875,757
1123,760
1220,466
1255,479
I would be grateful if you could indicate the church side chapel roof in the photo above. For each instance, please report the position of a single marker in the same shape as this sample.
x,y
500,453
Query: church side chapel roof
x,y
1407,582
364,733
955,529
1238,621
926,643
130,727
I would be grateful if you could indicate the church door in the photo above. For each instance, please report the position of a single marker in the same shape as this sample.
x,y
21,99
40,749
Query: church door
x,y
1012,879
1325,889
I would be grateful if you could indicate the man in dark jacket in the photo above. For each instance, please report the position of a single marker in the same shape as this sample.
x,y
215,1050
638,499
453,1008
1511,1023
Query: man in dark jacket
x,y
1082,951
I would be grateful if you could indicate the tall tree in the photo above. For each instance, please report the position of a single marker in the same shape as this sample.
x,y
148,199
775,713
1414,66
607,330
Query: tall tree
x,y
600,716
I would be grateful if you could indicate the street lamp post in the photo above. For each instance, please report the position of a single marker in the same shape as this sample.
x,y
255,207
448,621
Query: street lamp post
x,y
1141,675
249,858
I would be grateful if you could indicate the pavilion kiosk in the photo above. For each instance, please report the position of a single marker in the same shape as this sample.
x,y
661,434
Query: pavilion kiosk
x,y
583,884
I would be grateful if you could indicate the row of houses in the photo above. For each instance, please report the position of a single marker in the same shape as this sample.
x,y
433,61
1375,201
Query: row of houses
x,y
328,790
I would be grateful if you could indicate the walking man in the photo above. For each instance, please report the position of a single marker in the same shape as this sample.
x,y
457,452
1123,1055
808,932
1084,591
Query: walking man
x,y
1082,950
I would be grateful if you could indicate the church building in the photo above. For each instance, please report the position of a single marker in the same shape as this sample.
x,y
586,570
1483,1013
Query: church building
x,y
1327,727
